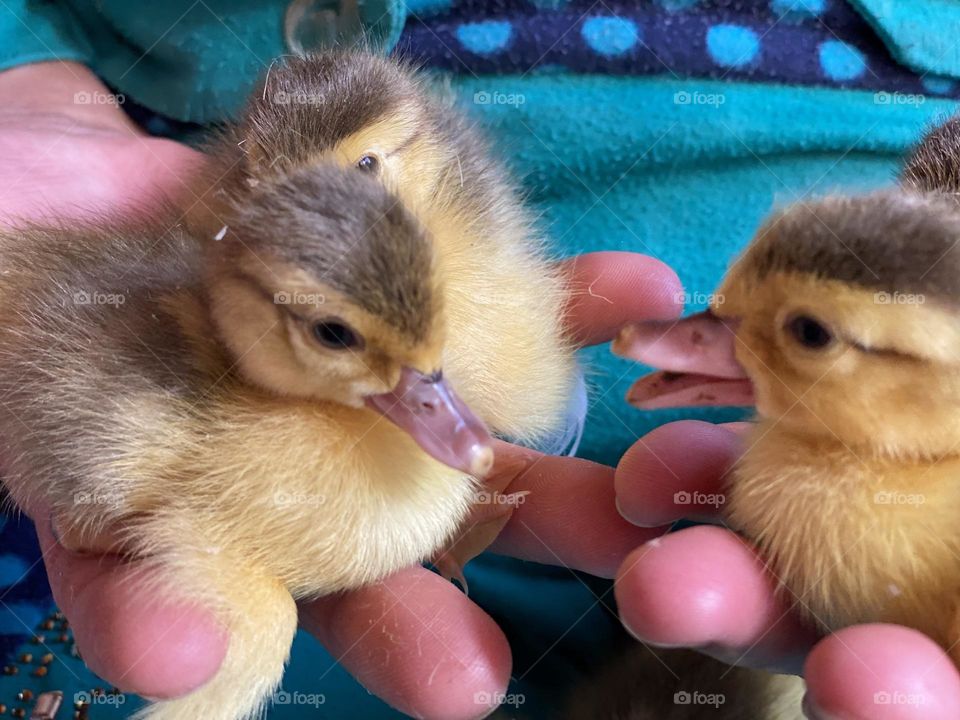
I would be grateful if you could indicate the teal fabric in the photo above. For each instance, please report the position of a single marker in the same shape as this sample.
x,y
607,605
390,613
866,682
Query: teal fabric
x,y
32,32
196,62
193,62
921,34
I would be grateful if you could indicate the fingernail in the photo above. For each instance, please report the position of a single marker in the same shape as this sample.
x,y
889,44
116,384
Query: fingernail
x,y
487,713
515,464
52,524
813,712
640,639
623,340
641,523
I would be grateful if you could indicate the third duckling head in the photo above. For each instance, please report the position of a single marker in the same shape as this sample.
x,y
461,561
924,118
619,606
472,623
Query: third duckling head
x,y
357,110
321,285
849,320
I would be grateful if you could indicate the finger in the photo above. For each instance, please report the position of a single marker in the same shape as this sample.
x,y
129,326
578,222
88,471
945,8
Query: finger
x,y
676,471
127,636
569,517
706,588
880,672
611,289
417,642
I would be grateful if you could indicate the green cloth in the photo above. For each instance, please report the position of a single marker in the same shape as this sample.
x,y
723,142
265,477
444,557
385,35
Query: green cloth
x,y
191,61
35,32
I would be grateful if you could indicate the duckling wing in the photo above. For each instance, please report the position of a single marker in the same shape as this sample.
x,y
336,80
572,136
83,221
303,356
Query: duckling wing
x,y
97,361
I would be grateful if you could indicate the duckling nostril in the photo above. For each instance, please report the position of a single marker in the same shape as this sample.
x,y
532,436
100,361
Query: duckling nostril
x,y
428,406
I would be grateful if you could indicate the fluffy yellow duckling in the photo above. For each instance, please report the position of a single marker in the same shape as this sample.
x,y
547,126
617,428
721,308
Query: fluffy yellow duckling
x,y
845,318
213,394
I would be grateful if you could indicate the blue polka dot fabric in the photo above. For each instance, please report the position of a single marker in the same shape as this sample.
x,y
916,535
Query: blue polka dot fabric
x,y
610,36
485,38
796,42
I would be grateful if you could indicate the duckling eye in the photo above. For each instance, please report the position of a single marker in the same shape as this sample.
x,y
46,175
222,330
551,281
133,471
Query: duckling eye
x,y
336,335
369,164
809,332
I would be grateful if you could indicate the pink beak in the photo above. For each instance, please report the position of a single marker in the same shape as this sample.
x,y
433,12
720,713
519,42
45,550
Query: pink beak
x,y
428,409
698,361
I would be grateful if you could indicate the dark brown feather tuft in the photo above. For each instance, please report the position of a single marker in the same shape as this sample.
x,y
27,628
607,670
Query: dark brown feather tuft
x,y
934,165
349,232
306,105
888,241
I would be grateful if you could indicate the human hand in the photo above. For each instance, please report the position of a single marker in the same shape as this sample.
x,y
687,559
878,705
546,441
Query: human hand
x,y
70,152
706,588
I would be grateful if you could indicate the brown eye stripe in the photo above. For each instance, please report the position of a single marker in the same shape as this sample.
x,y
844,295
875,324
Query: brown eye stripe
x,y
408,142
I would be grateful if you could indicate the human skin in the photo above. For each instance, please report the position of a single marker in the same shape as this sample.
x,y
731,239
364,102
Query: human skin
x,y
702,587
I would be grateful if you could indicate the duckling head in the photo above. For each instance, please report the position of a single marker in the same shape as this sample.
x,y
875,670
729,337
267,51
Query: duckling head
x,y
367,113
849,319
322,286
844,315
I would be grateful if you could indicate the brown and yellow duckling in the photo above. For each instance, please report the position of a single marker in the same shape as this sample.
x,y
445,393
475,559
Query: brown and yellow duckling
x,y
843,316
212,394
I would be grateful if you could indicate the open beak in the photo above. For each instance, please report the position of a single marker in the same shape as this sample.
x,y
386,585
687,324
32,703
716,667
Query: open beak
x,y
696,354
426,407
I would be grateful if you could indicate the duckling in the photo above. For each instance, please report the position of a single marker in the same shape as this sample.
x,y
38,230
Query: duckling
x,y
208,387
843,313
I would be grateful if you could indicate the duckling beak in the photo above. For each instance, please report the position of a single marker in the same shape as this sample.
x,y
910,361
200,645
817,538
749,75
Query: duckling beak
x,y
698,360
428,409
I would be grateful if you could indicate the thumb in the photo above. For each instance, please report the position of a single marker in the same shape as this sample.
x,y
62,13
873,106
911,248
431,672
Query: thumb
x,y
880,672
